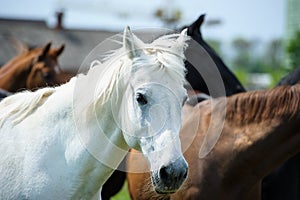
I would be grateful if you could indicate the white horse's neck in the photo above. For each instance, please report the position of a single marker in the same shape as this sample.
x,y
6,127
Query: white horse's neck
x,y
100,135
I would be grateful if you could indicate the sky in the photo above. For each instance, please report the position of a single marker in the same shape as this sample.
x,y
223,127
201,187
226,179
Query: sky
x,y
252,19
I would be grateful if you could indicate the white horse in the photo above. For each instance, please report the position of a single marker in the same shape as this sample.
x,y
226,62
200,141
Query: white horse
x,y
56,145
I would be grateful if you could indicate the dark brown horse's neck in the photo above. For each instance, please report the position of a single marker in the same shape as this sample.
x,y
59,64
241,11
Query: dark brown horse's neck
x,y
14,79
259,144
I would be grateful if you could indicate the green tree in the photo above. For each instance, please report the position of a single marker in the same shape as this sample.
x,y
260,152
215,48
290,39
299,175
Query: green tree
x,y
274,54
242,49
273,58
216,45
248,59
293,51
168,18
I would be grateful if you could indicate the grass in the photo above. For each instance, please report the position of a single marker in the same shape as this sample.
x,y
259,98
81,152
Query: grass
x,y
123,194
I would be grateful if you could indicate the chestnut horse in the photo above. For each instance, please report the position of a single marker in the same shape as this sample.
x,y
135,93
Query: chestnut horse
x,y
284,182
33,69
260,131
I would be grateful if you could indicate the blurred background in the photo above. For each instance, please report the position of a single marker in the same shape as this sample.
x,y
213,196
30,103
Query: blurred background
x,y
256,39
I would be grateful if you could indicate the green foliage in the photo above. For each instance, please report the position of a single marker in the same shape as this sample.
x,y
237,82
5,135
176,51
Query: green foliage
x,y
247,59
168,18
242,45
241,75
277,75
243,57
123,194
274,54
293,50
216,45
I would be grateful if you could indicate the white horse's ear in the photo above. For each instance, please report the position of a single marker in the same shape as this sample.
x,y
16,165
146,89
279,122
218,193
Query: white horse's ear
x,y
183,38
184,32
181,42
129,44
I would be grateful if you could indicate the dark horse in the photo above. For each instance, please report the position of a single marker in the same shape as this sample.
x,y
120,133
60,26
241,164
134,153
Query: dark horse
x,y
4,94
231,83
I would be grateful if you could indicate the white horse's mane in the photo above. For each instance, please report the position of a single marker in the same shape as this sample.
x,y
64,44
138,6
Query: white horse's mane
x,y
166,53
20,105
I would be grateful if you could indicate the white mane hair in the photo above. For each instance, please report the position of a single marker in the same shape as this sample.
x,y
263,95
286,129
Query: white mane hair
x,y
165,53
20,105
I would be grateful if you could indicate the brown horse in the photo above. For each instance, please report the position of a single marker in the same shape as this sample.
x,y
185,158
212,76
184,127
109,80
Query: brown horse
x,y
284,181
260,131
33,69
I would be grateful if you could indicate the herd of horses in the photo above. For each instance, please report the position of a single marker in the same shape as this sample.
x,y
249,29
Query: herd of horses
x,y
250,140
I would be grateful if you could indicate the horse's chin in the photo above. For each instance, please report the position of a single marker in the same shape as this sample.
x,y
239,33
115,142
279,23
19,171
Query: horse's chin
x,y
163,192
159,187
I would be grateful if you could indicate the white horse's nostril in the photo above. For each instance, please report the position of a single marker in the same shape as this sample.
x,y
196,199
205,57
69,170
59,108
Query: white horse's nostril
x,y
164,174
173,175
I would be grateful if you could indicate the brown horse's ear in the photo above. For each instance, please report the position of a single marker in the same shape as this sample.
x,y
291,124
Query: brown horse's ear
x,y
44,52
60,50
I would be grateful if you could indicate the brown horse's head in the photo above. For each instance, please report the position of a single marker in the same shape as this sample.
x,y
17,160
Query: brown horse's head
x,y
45,70
33,69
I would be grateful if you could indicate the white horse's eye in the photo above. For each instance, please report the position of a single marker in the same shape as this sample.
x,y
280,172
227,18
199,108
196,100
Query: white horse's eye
x,y
141,99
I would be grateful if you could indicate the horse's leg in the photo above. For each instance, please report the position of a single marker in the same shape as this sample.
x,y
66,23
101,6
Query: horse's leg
x,y
284,182
115,182
255,192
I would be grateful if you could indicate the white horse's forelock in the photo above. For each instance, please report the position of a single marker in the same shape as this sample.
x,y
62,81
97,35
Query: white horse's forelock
x,y
166,52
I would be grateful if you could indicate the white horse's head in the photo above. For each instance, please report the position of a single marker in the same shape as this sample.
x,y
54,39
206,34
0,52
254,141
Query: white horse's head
x,y
151,106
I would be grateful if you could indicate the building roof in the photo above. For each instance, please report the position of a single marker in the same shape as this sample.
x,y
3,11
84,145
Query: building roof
x,y
78,43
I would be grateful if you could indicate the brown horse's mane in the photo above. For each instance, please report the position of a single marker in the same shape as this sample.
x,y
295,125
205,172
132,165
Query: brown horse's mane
x,y
14,61
254,107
